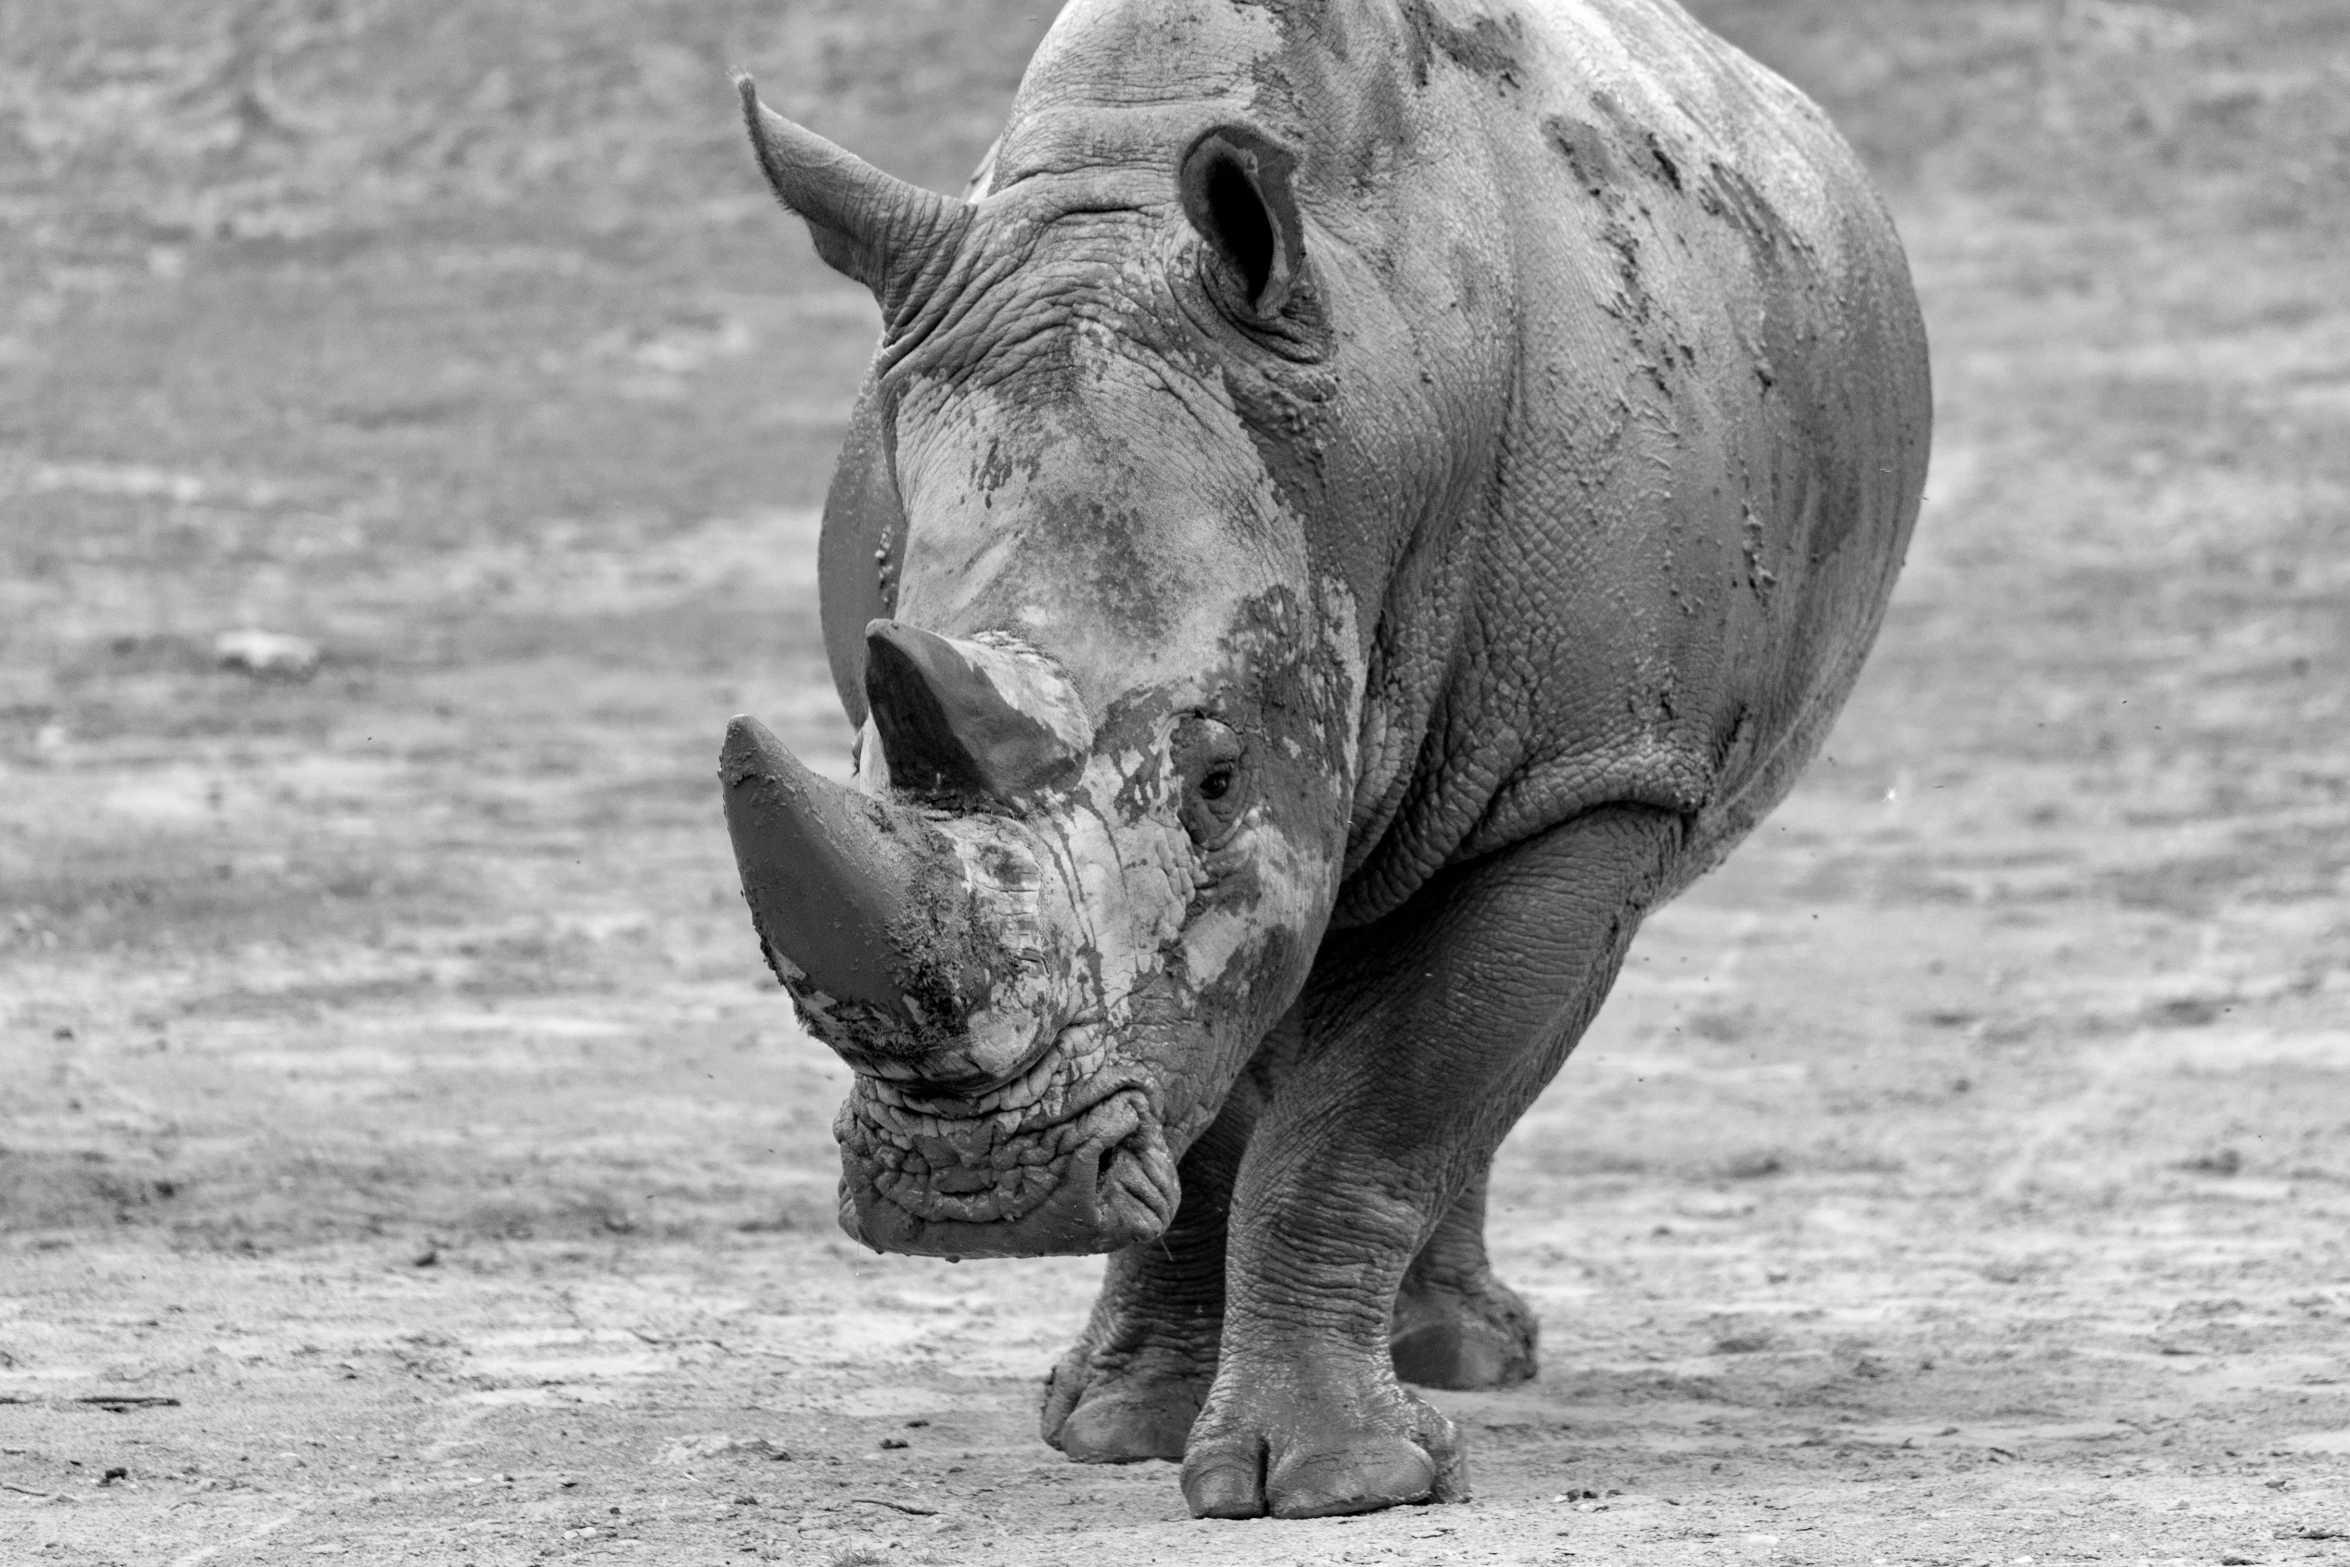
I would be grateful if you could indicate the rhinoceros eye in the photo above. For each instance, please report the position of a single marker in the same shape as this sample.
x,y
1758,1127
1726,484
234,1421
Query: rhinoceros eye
x,y
1209,772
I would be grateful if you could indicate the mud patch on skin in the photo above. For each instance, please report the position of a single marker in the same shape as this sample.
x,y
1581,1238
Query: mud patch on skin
x,y
1760,579
1486,47
1647,149
1586,152
1732,197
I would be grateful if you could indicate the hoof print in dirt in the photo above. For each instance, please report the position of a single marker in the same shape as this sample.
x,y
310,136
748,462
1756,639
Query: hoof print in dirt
x,y
1277,705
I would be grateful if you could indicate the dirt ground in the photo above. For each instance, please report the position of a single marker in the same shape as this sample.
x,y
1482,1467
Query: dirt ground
x,y
403,1156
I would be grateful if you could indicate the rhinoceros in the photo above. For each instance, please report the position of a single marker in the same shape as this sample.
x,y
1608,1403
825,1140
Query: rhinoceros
x,y
1358,502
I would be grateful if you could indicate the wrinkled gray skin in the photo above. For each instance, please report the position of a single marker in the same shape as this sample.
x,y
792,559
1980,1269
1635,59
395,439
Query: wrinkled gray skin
x,y
1364,499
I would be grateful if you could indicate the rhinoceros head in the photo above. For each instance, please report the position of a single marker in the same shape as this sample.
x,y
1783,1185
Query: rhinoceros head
x,y
1109,691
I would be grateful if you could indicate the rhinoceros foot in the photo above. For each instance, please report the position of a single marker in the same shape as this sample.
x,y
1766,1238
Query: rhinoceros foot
x,y
1463,1336
1318,1441
1119,1411
1132,1384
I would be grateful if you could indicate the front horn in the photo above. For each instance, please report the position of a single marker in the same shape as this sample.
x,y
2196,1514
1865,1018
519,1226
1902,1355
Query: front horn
x,y
893,237
856,900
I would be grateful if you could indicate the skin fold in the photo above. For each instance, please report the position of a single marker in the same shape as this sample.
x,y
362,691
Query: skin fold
x,y
1361,501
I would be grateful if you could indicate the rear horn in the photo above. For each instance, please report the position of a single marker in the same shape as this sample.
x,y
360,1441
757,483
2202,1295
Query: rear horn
x,y
948,729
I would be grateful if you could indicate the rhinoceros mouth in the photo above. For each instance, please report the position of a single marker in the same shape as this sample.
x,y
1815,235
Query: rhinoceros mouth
x,y
1076,1164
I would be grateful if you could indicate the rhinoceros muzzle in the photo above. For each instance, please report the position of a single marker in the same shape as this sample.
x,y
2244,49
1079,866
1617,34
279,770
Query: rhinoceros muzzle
x,y
1005,1184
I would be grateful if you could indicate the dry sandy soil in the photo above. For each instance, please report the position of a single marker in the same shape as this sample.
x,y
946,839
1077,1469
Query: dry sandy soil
x,y
404,1157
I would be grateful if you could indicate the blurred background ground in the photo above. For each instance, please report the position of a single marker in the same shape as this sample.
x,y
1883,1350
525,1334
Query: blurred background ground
x,y
403,1156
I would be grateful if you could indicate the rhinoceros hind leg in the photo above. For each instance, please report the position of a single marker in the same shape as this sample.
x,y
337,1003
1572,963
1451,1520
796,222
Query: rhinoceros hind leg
x,y
1456,1325
1141,1406
1131,1385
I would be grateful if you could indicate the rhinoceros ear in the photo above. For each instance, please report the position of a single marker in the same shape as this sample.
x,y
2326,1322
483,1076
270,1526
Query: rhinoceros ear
x,y
893,237
1238,191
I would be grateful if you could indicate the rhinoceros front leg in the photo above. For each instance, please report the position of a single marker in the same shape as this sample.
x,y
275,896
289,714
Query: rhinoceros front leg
x,y
1456,1325
1426,1036
1133,1383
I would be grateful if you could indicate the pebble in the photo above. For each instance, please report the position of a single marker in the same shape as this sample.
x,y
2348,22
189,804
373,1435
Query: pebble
x,y
272,654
